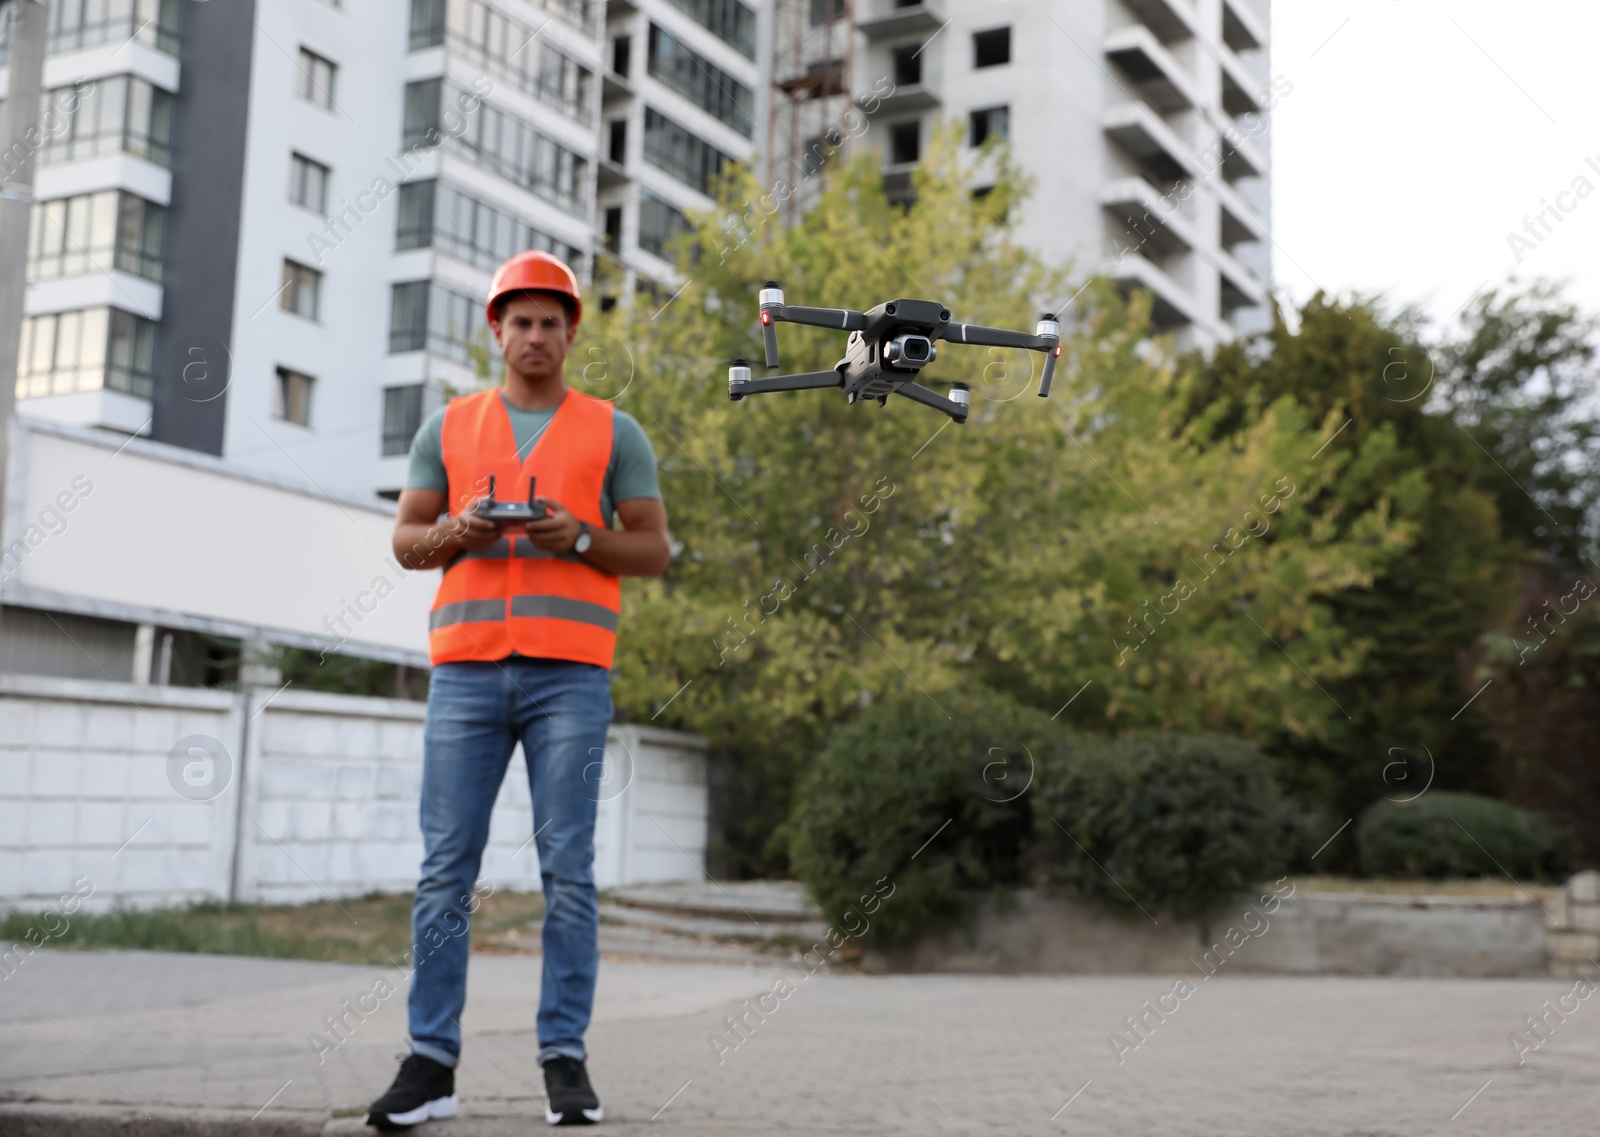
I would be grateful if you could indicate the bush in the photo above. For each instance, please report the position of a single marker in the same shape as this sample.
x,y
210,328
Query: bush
x,y
938,807
1456,835
1163,823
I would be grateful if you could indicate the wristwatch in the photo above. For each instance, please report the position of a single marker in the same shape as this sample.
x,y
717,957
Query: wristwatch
x,y
581,545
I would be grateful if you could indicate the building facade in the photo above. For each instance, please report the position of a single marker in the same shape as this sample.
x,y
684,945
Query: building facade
x,y
263,231
1143,124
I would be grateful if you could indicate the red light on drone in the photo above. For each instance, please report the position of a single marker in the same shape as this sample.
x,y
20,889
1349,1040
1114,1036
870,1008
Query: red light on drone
x,y
1058,350
766,317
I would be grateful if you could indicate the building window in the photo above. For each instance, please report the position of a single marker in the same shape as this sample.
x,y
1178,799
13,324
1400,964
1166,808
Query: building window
x,y
460,225
703,83
485,235
414,230
427,316
990,122
302,290
617,141
314,83
908,65
291,397
513,52
402,418
905,142
681,153
95,233
826,11
80,24
613,237
308,183
120,113
408,316
621,55
729,20
501,143
660,223
427,24
86,351
991,48
420,123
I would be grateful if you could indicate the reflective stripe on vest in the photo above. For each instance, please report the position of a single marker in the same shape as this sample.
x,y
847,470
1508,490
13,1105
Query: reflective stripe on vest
x,y
511,597
524,548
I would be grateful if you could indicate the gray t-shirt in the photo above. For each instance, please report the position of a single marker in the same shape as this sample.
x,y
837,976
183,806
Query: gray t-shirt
x,y
631,472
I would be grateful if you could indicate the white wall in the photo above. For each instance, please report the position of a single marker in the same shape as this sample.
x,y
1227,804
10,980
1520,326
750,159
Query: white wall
x,y
314,796
162,535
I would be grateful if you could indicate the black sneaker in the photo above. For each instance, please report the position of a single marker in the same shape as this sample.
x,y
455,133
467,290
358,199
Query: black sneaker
x,y
422,1090
569,1098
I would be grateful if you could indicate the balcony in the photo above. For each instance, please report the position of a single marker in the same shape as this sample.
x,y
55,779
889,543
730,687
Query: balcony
x,y
1242,92
1158,78
893,23
151,22
1153,222
614,87
1171,20
610,174
911,99
1241,157
1240,222
1242,29
897,185
1139,131
1172,308
1240,288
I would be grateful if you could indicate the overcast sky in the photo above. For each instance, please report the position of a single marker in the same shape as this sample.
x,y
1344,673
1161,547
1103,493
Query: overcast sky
x,y
1420,133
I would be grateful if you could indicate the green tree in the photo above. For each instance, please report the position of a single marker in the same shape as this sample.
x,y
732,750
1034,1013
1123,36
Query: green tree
x,y
1369,377
828,554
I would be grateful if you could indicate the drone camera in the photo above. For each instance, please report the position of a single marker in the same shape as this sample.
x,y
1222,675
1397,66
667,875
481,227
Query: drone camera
x,y
910,351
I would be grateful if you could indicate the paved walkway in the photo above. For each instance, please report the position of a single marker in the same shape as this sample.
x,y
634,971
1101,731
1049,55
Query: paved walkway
x,y
124,1034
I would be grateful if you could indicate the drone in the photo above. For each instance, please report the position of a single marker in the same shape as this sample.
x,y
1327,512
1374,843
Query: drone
x,y
889,345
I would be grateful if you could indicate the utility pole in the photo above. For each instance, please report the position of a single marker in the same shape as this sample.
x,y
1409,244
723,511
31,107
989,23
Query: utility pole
x,y
22,133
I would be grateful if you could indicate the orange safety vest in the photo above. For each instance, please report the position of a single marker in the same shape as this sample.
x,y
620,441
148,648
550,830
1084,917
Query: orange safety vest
x,y
513,597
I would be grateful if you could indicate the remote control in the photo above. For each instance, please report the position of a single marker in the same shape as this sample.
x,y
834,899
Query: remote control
x,y
512,512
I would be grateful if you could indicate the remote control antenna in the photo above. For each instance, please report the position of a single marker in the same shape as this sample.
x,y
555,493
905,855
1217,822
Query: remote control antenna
x,y
1048,328
771,299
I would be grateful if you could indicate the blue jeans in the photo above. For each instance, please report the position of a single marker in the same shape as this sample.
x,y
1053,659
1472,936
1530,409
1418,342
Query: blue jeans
x,y
477,713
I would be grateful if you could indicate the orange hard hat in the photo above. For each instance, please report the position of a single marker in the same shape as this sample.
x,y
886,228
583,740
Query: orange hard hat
x,y
538,272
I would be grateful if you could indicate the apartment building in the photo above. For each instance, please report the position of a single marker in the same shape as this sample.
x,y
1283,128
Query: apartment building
x,y
1143,124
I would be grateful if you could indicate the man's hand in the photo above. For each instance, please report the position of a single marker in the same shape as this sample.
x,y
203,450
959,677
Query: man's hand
x,y
425,540
471,532
556,533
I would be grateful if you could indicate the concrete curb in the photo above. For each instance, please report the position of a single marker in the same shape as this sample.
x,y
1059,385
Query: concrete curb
x,y
39,1119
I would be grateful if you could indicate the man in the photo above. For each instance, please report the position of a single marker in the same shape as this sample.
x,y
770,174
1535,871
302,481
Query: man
x,y
521,637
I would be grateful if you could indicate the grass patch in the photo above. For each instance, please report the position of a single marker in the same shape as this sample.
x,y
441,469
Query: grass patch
x,y
375,928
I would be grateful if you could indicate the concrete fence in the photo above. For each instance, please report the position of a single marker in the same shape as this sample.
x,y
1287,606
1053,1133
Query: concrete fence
x,y
166,795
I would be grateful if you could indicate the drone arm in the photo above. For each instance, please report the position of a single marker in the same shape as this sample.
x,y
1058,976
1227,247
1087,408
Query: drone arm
x,y
981,336
1046,338
741,385
773,309
839,319
917,393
